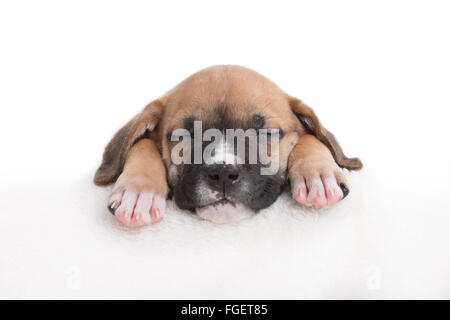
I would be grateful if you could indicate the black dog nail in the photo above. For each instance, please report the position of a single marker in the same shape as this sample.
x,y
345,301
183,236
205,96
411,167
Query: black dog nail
x,y
344,189
112,209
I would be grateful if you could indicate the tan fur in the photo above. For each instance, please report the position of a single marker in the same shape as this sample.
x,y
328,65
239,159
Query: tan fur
x,y
311,122
143,171
118,148
245,92
311,157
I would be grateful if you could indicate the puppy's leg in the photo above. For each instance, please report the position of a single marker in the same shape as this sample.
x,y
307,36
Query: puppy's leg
x,y
315,177
139,195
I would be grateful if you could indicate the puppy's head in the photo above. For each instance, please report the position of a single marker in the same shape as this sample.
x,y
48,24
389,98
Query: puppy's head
x,y
225,135
219,160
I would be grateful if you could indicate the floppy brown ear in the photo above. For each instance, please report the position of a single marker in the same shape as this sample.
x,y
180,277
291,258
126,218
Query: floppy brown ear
x,y
310,121
117,149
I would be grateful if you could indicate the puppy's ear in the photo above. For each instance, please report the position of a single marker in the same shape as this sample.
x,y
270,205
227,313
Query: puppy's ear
x,y
310,121
117,149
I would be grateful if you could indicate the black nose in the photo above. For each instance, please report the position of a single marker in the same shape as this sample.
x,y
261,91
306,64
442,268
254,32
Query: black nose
x,y
222,175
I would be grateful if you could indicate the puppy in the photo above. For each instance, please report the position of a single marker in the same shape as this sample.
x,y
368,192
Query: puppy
x,y
140,157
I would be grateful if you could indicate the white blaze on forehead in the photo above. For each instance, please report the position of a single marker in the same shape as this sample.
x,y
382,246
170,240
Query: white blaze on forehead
x,y
225,213
224,153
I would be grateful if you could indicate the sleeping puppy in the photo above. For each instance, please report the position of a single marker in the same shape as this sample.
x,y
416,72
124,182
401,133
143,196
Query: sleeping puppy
x,y
143,158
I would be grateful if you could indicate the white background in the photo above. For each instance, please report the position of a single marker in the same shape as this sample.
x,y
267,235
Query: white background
x,y
377,74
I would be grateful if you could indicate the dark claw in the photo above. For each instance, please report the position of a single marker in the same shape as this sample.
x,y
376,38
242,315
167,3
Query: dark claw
x,y
344,189
111,209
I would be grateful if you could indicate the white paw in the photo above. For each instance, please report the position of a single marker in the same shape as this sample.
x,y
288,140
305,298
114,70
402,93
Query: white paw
x,y
319,190
136,209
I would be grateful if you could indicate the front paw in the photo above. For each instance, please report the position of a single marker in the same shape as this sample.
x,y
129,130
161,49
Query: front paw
x,y
319,188
136,209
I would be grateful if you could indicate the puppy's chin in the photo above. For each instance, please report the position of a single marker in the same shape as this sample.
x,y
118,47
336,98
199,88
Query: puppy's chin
x,y
223,213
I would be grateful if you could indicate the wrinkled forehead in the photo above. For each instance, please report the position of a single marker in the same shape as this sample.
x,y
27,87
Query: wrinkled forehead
x,y
228,102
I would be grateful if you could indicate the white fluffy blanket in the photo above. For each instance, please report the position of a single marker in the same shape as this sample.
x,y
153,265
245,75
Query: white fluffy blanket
x,y
61,242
